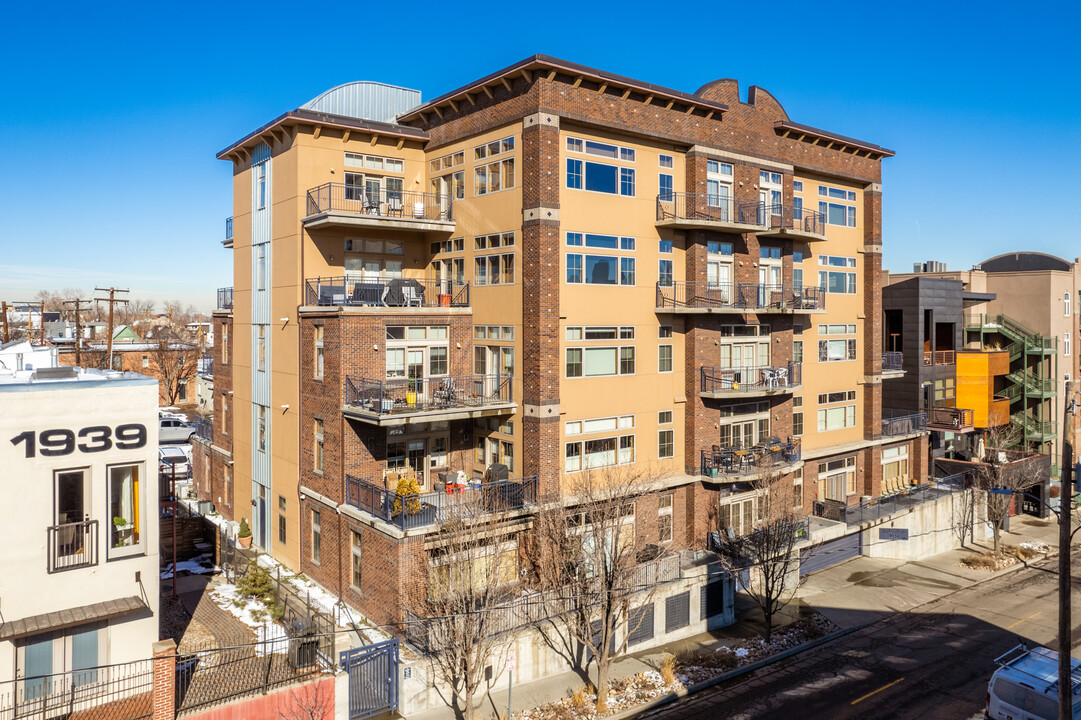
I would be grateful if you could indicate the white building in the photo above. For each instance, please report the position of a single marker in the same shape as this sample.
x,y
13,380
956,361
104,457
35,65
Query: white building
x,y
21,355
78,522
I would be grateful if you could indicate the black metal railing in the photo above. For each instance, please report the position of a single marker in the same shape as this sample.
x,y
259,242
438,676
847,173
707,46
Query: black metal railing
x,y
410,395
891,360
72,545
696,294
204,428
392,204
888,504
107,691
388,292
225,298
902,422
408,511
951,418
710,208
779,216
741,460
743,379
229,228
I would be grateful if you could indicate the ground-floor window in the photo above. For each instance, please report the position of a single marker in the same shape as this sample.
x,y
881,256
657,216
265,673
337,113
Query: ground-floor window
x,y
837,479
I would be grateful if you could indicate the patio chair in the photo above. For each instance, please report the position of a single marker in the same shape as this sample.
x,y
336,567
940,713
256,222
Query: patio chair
x,y
411,297
418,210
395,207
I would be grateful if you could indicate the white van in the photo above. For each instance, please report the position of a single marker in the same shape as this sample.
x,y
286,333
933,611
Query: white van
x,y
1025,686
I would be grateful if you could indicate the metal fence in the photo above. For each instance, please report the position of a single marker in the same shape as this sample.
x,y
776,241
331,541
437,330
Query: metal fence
x,y
225,298
228,231
72,545
430,508
939,357
389,292
706,295
738,460
382,203
875,508
898,422
410,395
767,378
892,360
951,418
110,692
709,208
204,429
781,216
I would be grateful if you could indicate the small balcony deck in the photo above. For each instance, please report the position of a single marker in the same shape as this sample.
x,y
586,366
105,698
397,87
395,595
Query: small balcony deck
x,y
903,422
939,357
405,400
225,298
72,545
947,419
788,222
738,463
701,211
687,297
396,293
353,207
746,382
892,365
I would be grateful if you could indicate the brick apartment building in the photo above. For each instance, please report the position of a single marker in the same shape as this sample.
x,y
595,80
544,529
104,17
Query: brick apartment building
x,y
550,268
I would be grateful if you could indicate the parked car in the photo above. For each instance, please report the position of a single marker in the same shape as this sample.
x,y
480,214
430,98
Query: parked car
x,y
170,457
172,430
1025,686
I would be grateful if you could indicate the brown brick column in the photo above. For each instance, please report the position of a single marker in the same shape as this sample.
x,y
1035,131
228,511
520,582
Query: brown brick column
x,y
164,680
541,279
872,310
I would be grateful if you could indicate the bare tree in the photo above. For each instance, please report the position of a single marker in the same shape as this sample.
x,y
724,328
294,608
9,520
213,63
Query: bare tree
x,y
763,557
311,701
1004,475
585,561
475,572
964,513
174,363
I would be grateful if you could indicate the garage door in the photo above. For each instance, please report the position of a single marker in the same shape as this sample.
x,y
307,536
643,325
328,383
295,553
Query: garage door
x,y
829,553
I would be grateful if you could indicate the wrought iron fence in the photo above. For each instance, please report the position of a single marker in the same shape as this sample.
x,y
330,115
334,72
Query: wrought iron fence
x,y
72,545
385,203
108,692
361,291
228,230
434,507
411,395
781,216
204,428
738,460
705,295
225,298
710,208
900,422
767,378
892,360
875,508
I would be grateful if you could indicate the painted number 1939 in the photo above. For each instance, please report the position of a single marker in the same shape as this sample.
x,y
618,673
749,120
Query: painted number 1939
x,y
96,438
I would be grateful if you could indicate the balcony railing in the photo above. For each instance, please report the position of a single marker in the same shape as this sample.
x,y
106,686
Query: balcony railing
x,y
391,292
900,422
229,228
204,429
709,208
437,506
778,216
738,297
763,378
891,361
225,298
101,691
392,204
72,545
1032,426
885,505
939,357
413,395
737,461
947,418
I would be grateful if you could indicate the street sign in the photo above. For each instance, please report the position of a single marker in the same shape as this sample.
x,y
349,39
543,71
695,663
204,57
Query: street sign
x,y
511,662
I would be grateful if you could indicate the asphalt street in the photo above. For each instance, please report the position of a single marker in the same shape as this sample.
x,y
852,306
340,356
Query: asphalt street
x,y
931,662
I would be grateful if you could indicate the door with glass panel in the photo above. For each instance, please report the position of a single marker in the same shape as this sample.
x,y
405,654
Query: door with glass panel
x,y
372,193
414,373
738,363
719,279
769,281
769,198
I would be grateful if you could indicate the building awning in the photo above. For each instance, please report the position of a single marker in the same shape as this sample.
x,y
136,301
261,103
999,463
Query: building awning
x,y
48,622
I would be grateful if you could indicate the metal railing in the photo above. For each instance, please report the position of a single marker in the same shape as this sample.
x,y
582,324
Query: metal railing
x,y
738,460
891,360
107,691
225,298
410,395
72,545
393,204
902,422
779,216
707,207
437,506
743,379
1031,425
229,228
739,296
1011,328
385,292
1032,382
204,429
939,357
875,508
951,418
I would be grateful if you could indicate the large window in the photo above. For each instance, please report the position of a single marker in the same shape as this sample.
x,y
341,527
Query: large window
x,y
125,506
837,281
597,452
373,260
719,185
797,416
837,213
837,479
494,269
601,269
417,352
666,443
744,424
319,355
664,517
497,174
585,174
837,349
838,416
600,361
895,464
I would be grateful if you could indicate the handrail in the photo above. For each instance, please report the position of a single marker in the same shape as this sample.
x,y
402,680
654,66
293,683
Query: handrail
x,y
892,360
939,357
72,545
891,502
695,294
785,216
229,228
409,395
902,423
955,418
405,205
361,291
225,298
738,460
710,208
742,379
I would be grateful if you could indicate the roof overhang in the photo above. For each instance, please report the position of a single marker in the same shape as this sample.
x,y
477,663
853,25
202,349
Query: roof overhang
x,y
829,140
61,619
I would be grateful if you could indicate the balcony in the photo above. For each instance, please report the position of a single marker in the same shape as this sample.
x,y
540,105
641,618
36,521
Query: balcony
x,y
892,365
939,357
204,429
747,463
788,222
408,512
408,400
745,382
902,422
72,545
385,293
739,298
228,229
892,502
352,207
949,419
700,211
225,298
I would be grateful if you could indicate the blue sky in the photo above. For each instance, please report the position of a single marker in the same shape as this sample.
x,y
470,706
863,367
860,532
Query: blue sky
x,y
112,113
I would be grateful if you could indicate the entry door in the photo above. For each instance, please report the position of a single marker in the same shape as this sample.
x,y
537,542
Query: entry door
x,y
743,433
719,277
417,457
261,519
769,283
71,498
372,188
414,370
770,199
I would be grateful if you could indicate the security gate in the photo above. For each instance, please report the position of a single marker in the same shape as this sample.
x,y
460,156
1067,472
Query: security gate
x,y
830,553
373,679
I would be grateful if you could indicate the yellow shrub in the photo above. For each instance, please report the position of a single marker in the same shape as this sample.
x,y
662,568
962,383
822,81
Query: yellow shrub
x,y
408,491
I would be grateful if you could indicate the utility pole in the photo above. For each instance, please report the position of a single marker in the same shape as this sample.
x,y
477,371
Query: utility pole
x,y
4,312
1065,517
78,327
42,324
112,300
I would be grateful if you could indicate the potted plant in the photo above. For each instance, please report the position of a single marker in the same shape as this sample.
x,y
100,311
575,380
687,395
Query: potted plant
x,y
121,531
407,496
244,535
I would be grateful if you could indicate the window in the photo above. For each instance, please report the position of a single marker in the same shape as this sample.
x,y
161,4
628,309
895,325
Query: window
x,y
895,465
260,266
797,186
837,478
664,358
1066,344
836,350
146,361
600,177
225,342
182,390
446,162
600,270
665,246
665,161
494,176
837,213
797,487
260,183
666,443
1066,304
664,517
664,181
282,535
797,351
227,473
836,418
317,537
317,432
374,162
494,269
319,357
836,281
261,412
664,331
664,417
599,361
797,416
357,555
125,511
448,246
598,453
664,273
260,345
493,148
